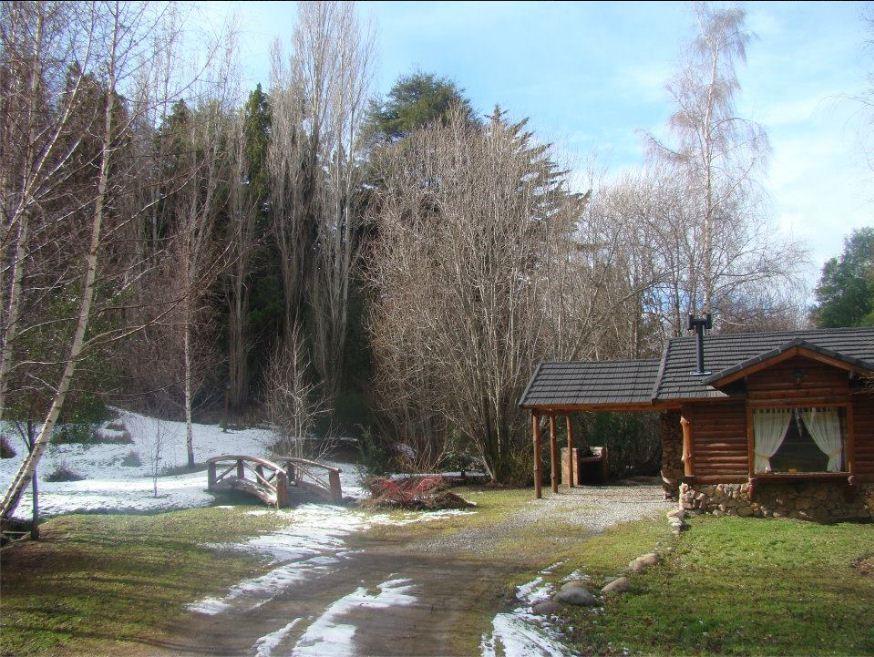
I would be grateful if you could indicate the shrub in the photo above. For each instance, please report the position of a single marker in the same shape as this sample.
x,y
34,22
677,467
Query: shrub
x,y
132,460
75,433
6,451
418,493
113,436
64,473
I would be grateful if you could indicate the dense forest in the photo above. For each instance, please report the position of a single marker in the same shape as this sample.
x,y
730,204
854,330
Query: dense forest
x,y
310,255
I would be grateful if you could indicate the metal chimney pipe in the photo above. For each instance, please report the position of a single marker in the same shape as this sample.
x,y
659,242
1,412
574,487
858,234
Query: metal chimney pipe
x,y
698,325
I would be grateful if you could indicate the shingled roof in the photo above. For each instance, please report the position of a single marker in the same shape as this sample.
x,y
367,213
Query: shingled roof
x,y
606,382
649,382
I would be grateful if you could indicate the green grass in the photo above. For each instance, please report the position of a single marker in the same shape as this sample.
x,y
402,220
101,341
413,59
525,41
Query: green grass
x,y
96,582
741,586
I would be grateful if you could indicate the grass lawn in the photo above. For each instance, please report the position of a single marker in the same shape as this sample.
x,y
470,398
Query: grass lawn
x,y
742,586
94,582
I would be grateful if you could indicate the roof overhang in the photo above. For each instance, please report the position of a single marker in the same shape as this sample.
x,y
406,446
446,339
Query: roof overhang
x,y
629,407
791,349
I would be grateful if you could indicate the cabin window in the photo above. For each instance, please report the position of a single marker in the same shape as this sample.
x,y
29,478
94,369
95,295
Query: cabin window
x,y
791,440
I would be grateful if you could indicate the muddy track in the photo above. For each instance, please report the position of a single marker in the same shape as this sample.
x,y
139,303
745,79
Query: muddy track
x,y
358,595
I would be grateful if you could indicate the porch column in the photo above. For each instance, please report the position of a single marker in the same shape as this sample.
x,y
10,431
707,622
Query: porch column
x,y
553,454
688,466
570,451
535,429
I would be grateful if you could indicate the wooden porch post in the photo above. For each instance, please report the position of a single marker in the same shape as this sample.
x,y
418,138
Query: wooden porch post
x,y
570,451
535,428
553,454
241,471
688,467
210,476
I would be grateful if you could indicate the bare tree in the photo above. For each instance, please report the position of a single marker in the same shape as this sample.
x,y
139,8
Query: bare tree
x,y
292,398
331,31
319,102
715,156
466,223
120,40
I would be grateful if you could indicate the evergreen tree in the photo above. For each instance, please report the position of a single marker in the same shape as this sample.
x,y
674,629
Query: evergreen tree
x,y
845,294
415,101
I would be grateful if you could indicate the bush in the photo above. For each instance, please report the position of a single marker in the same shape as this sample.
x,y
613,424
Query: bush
x,y
75,433
64,473
132,460
373,458
415,493
113,436
6,451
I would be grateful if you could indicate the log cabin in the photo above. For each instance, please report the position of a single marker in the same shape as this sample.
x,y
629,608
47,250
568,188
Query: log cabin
x,y
759,424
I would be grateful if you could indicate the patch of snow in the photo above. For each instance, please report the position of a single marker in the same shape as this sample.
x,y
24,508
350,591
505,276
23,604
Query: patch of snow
x,y
327,636
311,545
514,636
110,486
265,646
519,633
534,591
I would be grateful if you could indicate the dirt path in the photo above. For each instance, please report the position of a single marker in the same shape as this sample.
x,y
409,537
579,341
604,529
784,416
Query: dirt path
x,y
406,593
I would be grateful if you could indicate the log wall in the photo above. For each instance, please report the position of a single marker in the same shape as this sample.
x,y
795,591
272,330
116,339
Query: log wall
x,y
719,439
798,380
863,434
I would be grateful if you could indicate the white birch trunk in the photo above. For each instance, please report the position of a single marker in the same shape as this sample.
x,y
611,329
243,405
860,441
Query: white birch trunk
x,y
28,466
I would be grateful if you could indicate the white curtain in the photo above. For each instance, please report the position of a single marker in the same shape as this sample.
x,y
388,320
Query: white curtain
x,y
770,426
824,425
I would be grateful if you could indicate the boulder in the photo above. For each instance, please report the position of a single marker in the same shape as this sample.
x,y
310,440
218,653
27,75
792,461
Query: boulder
x,y
618,585
546,608
642,562
574,584
576,595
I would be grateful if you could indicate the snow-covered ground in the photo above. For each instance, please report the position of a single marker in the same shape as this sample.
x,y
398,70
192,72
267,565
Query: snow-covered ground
x,y
111,486
520,633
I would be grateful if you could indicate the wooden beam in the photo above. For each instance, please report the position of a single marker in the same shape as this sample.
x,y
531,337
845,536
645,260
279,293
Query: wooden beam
x,y
570,450
751,445
553,454
850,456
688,456
535,429
787,355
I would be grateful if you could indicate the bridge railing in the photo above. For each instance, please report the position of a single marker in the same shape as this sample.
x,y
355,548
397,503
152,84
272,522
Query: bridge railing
x,y
271,481
324,476
266,474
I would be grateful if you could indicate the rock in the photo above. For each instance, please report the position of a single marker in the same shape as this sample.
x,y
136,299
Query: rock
x,y
676,513
546,608
574,584
642,562
745,511
619,585
576,595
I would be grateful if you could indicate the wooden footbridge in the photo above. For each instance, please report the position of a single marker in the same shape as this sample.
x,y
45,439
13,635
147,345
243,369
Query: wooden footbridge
x,y
286,483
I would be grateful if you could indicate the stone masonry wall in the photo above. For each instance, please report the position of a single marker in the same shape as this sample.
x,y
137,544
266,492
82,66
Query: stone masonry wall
x,y
672,452
810,500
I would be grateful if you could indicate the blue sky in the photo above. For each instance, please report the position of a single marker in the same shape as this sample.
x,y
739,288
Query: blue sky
x,y
591,76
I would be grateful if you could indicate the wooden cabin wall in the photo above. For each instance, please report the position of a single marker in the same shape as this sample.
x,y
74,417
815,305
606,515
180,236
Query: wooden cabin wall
x,y
863,434
719,439
798,380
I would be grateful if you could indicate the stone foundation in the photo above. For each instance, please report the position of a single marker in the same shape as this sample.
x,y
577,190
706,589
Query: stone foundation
x,y
672,452
810,500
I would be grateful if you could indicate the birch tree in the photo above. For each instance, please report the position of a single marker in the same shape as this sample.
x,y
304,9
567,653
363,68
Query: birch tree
x,y
717,154
117,37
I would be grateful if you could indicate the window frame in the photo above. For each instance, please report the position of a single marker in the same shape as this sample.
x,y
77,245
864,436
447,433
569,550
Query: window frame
x,y
849,442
